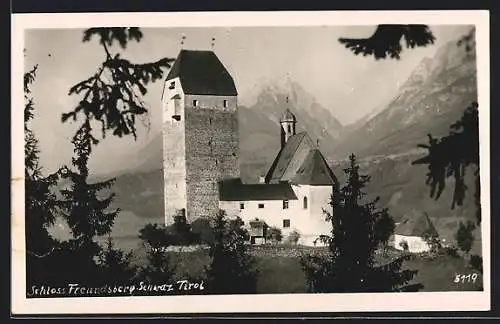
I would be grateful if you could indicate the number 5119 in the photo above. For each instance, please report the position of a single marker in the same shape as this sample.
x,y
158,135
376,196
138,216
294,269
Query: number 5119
x,y
466,278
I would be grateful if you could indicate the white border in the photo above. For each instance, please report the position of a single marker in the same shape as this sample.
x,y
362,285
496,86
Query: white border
x,y
422,301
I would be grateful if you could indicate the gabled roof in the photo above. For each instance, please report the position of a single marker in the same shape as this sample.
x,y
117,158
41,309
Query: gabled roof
x,y
235,190
417,224
202,73
285,156
315,171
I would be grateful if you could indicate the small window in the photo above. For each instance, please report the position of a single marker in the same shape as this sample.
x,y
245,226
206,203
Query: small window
x,y
226,103
285,204
172,85
261,206
286,223
195,103
242,205
289,128
305,202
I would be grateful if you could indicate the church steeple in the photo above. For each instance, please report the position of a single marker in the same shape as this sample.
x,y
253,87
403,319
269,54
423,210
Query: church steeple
x,y
287,122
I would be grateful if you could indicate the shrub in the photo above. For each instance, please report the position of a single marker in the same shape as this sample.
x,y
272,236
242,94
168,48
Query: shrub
x,y
404,245
476,262
202,228
274,235
180,232
293,237
465,236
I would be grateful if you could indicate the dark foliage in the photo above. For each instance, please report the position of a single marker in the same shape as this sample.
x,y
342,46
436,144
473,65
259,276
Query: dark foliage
x,y
274,235
158,268
451,251
432,239
180,232
115,266
465,237
468,41
386,40
476,262
114,103
451,155
231,270
113,95
350,265
41,204
203,230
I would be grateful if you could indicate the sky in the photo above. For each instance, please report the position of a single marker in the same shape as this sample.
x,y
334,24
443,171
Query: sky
x,y
349,86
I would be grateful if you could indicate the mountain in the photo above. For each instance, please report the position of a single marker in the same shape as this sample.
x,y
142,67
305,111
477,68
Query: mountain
x,y
434,96
269,97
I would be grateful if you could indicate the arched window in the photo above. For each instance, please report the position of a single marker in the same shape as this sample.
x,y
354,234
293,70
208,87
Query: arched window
x,y
305,202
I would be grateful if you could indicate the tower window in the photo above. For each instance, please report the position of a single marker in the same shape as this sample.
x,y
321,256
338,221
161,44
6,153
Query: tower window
x,y
172,85
286,223
226,103
289,128
261,206
305,203
285,204
242,205
195,103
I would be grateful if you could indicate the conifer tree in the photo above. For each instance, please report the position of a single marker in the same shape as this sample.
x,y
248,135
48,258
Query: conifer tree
x,y
115,266
231,270
452,155
87,215
356,234
41,204
158,268
464,236
385,42
114,103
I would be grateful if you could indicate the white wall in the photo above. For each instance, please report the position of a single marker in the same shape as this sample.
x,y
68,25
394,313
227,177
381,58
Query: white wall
x,y
416,244
174,162
310,222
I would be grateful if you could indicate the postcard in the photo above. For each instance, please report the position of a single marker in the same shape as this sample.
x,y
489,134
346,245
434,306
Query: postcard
x,y
241,162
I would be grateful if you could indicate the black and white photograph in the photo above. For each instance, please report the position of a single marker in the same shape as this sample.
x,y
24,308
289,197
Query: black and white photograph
x,y
255,161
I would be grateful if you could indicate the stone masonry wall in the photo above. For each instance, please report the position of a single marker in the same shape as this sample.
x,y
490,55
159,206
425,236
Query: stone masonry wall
x,y
212,151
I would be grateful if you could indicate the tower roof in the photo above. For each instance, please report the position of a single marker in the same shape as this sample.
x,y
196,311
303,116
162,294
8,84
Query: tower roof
x,y
288,116
202,73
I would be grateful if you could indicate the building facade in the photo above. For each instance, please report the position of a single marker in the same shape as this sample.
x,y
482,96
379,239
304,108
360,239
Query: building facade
x,y
201,157
200,134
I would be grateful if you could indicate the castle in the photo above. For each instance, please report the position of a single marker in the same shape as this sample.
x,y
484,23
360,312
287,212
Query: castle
x,y
201,157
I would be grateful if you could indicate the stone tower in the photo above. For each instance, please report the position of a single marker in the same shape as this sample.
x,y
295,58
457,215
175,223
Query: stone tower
x,y
200,134
288,123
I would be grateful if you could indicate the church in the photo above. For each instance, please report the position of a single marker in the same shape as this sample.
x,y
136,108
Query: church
x,y
201,157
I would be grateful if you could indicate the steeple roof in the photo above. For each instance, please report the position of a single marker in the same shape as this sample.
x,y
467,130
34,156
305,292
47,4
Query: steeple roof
x,y
202,73
288,116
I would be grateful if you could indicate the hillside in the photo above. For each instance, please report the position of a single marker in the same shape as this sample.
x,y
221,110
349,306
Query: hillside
x,y
434,97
